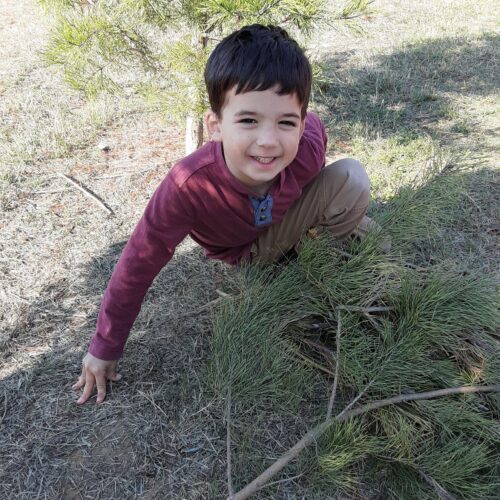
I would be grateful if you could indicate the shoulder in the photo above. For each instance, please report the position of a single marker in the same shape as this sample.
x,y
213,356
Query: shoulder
x,y
180,190
191,165
314,127
313,120
314,137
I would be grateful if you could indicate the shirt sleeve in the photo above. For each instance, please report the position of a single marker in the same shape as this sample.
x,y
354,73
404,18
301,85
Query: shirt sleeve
x,y
167,220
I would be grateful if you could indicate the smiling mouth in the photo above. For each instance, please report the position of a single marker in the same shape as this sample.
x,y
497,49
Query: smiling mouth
x,y
265,159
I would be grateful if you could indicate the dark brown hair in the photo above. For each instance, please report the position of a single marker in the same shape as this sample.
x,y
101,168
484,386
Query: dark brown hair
x,y
257,57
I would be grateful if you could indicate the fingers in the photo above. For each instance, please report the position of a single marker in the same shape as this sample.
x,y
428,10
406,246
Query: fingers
x,y
79,383
87,390
95,373
115,377
89,380
101,387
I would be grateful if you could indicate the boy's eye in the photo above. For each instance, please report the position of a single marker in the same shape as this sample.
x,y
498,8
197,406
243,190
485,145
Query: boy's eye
x,y
288,123
247,120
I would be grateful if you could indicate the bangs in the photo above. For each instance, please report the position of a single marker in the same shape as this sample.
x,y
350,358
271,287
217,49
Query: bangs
x,y
258,58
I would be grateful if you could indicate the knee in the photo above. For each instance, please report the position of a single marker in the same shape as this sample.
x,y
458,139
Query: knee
x,y
352,176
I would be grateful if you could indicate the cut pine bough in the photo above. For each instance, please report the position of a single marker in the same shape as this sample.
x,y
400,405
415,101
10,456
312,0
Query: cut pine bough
x,y
314,434
403,332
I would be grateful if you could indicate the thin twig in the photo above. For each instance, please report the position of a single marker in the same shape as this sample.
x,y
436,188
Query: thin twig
x,y
87,192
53,191
342,252
312,362
127,174
5,407
268,7
228,444
404,398
153,402
317,431
473,201
355,400
365,309
337,364
319,346
373,321
280,481
208,305
438,489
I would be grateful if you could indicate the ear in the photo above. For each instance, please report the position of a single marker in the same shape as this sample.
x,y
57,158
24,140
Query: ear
x,y
212,123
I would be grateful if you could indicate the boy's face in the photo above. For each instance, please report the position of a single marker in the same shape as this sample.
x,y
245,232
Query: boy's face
x,y
260,133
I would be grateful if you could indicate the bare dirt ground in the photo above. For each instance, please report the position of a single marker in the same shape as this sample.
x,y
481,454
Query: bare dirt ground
x,y
156,435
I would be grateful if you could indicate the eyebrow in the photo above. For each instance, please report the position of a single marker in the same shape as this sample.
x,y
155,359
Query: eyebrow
x,y
253,113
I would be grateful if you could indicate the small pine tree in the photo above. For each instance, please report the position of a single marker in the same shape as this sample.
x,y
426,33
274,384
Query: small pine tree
x,y
158,48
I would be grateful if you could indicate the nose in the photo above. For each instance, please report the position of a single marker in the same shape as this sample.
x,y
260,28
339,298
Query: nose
x,y
267,137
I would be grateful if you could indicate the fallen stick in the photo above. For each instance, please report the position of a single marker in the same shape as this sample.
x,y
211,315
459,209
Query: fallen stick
x,y
126,174
365,309
337,363
228,448
341,252
87,192
317,431
5,408
438,489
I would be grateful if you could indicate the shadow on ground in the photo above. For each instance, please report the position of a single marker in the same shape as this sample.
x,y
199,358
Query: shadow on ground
x,y
152,423
410,89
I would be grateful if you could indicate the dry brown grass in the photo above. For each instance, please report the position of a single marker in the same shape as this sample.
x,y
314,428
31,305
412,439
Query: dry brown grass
x,y
156,436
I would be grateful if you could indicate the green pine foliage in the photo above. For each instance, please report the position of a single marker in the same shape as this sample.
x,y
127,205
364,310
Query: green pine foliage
x,y
254,362
99,51
344,447
435,329
159,48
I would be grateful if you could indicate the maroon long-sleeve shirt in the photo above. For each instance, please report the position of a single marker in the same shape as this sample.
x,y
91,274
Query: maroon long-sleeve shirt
x,y
199,197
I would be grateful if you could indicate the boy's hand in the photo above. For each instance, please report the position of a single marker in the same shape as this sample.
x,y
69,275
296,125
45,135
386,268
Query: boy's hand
x,y
95,372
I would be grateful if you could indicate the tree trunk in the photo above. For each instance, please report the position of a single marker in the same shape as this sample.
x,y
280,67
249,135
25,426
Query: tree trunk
x,y
190,135
194,134
200,133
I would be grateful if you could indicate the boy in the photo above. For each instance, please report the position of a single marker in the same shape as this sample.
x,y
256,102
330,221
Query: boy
x,y
247,195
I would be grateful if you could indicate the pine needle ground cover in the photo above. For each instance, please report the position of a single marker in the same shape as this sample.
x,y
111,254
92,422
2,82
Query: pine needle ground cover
x,y
375,325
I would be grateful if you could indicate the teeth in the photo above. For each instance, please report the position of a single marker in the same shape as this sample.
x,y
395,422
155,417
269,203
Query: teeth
x,y
264,159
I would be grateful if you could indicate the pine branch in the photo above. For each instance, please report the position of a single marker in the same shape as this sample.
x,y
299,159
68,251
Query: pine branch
x,y
264,10
317,431
404,398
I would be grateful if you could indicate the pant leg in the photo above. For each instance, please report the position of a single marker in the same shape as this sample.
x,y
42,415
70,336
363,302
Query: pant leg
x,y
336,199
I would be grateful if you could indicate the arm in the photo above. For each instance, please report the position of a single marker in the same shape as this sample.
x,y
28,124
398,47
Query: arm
x,y
167,219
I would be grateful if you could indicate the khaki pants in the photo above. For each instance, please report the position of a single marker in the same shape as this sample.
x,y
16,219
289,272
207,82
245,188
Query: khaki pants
x,y
337,199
